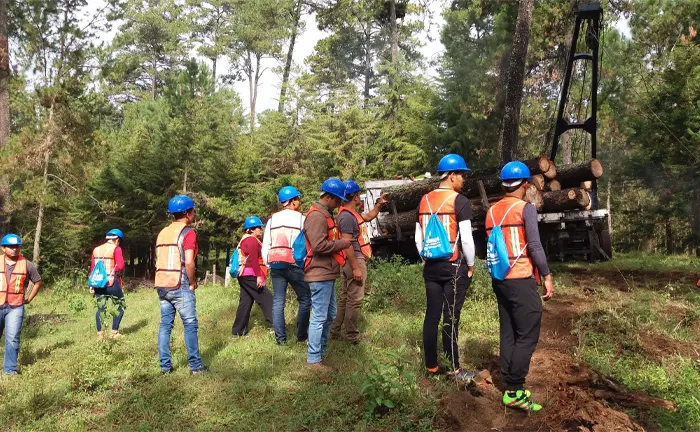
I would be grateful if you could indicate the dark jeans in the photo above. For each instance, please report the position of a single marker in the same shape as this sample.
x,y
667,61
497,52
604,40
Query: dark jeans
x,y
520,316
446,287
251,293
116,291
293,276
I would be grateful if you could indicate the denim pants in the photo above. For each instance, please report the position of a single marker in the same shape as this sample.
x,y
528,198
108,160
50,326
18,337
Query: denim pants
x,y
11,324
181,300
116,291
323,311
293,276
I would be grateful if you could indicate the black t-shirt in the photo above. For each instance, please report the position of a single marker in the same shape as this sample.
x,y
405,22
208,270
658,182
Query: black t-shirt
x,y
463,210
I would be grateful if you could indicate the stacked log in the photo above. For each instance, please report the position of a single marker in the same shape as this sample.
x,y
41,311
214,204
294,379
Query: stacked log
x,y
579,175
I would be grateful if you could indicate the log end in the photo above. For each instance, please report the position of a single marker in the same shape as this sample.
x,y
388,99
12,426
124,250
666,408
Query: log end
x,y
596,168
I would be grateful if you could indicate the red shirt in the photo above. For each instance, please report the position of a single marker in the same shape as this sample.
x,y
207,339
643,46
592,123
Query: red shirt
x,y
190,242
252,249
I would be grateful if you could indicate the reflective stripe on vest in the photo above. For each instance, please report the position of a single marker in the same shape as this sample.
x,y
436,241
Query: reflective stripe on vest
x,y
282,238
243,258
363,238
12,287
513,229
170,259
333,235
442,201
105,253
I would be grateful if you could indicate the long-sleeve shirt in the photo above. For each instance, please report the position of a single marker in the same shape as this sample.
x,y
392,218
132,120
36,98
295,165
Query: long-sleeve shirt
x,y
251,248
534,245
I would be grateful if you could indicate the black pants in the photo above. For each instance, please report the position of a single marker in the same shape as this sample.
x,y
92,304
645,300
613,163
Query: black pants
x,y
520,316
446,287
251,293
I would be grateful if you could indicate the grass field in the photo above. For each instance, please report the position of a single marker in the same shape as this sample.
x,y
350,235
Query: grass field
x,y
71,381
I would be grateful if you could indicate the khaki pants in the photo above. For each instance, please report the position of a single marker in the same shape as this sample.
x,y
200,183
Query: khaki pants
x,y
351,294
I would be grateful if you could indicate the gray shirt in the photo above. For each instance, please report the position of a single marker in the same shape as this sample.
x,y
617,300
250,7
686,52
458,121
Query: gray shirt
x,y
32,272
534,245
347,224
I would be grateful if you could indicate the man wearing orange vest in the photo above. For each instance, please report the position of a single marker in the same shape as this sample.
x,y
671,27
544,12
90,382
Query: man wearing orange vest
x,y
519,304
325,257
15,273
281,232
110,253
447,279
352,226
176,254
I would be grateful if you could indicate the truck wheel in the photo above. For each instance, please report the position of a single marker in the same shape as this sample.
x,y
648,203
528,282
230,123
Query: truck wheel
x,y
605,241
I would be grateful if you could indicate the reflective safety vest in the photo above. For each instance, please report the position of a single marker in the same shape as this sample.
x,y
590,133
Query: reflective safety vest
x,y
105,253
442,203
513,229
170,255
333,235
363,238
12,286
282,238
243,258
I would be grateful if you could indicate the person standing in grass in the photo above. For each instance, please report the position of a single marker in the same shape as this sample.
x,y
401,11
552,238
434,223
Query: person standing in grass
x,y
326,256
352,226
252,277
110,253
15,273
519,304
176,255
281,232
449,262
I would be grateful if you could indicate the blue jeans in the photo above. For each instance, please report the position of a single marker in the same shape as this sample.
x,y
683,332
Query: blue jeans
x,y
116,291
323,312
181,300
11,324
293,276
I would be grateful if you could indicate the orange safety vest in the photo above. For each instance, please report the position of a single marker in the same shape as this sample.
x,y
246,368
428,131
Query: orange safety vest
x,y
363,238
513,229
105,253
243,258
12,290
170,258
442,203
282,238
333,235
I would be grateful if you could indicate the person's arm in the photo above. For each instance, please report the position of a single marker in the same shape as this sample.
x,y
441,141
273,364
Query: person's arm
x,y
346,225
464,222
418,237
370,215
535,250
34,276
189,244
267,242
118,260
316,229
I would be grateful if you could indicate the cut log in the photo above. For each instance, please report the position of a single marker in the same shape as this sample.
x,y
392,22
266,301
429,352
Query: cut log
x,y
538,181
571,176
534,195
588,185
552,171
552,185
565,199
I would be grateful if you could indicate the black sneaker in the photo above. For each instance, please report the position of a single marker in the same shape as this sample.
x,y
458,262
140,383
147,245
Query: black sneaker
x,y
442,370
199,371
167,371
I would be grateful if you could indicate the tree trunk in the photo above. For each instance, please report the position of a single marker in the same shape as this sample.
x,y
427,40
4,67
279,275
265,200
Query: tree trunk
x,y
609,207
394,33
4,103
290,53
669,236
514,84
566,199
696,220
566,148
184,181
213,70
368,65
40,217
154,78
573,175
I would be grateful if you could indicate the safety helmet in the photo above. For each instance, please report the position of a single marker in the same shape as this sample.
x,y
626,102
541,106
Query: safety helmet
x,y
180,203
252,222
351,187
115,232
11,240
452,162
515,170
288,193
334,187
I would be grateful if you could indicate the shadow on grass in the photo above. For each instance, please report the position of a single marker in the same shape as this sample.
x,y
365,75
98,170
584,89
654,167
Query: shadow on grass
x,y
31,409
135,327
29,358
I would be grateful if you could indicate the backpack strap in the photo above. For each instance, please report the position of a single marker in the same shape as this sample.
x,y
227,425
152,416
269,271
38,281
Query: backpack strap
x,y
506,213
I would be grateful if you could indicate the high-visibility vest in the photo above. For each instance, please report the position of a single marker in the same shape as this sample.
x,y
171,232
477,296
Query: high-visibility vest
x,y
170,256
243,258
282,238
442,202
363,238
12,286
333,235
514,236
105,253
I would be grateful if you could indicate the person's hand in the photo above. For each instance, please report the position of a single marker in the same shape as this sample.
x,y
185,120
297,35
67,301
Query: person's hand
x,y
92,290
261,282
193,286
470,272
383,199
27,301
357,274
548,288
346,243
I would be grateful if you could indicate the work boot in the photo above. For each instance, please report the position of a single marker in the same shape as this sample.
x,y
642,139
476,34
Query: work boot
x,y
320,368
199,371
436,371
463,376
520,399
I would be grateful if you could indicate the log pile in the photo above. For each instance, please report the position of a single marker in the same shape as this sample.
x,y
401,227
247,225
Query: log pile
x,y
552,189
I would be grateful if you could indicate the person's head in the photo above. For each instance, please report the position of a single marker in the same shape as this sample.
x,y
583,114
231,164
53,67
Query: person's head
x,y
289,198
352,194
182,208
514,178
11,245
115,236
451,169
332,193
253,226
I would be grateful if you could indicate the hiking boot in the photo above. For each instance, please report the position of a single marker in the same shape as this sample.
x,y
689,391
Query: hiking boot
x,y
319,367
167,371
199,371
436,371
463,376
520,399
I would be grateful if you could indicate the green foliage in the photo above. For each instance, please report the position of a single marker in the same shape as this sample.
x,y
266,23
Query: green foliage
x,y
109,306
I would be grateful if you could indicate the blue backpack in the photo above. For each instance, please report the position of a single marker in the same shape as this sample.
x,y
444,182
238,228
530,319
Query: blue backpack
x,y
233,263
299,249
98,276
497,263
436,242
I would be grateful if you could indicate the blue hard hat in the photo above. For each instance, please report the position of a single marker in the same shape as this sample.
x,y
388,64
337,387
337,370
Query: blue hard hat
x,y
252,222
180,203
334,187
288,193
116,232
11,240
351,187
515,170
452,162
